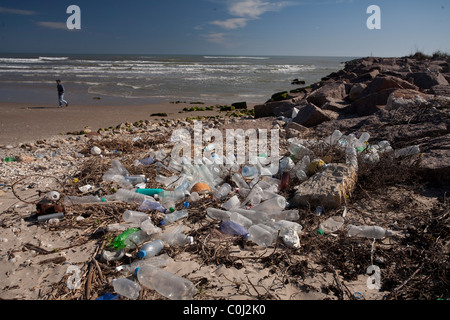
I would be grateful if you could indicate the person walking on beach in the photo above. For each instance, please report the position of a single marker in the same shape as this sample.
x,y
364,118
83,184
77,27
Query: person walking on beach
x,y
60,89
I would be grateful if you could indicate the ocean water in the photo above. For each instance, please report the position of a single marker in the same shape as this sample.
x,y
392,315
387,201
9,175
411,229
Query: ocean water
x,y
154,78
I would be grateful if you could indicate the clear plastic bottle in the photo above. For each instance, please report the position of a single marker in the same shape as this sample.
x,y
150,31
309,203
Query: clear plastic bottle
x,y
408,151
276,204
127,288
249,172
217,214
134,216
332,224
74,200
223,191
254,196
255,216
161,260
239,181
372,232
240,219
231,203
290,215
260,236
149,227
136,179
174,216
151,249
131,196
166,283
174,239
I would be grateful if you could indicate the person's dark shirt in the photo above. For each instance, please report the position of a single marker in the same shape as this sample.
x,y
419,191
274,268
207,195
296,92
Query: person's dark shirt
x,y
60,88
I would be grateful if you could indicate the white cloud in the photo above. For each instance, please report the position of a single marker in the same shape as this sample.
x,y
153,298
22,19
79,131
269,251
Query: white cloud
x,y
234,23
52,25
17,11
253,8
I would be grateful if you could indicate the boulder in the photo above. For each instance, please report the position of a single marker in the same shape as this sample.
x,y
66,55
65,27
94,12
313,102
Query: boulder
x,y
274,109
329,90
415,99
427,80
371,103
309,115
441,90
387,82
336,105
327,188
356,91
294,129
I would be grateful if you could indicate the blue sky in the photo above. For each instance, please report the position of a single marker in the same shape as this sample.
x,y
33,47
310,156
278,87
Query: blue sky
x,y
241,27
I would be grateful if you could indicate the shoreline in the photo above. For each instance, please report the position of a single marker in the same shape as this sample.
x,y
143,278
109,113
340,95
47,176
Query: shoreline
x,y
26,122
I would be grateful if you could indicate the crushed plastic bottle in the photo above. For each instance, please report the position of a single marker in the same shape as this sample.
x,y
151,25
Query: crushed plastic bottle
x,y
260,235
231,203
134,216
332,224
166,283
127,288
152,205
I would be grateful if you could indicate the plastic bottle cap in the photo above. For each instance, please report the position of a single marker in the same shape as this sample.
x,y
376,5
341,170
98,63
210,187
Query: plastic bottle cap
x,y
136,270
172,209
320,232
142,254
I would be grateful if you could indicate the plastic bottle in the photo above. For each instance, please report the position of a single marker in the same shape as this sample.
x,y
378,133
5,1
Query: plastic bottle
x,y
239,181
255,216
260,236
176,238
285,179
166,283
146,161
233,202
290,215
240,219
73,200
166,180
47,217
233,228
253,195
136,179
332,224
120,241
161,260
149,191
334,138
217,214
151,249
408,151
372,232
172,217
152,205
9,159
134,216
148,227
127,288
276,204
135,239
131,196
249,171
223,191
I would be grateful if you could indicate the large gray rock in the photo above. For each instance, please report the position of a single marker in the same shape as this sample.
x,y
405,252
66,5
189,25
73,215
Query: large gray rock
x,y
309,115
383,82
371,103
274,109
327,188
427,80
329,90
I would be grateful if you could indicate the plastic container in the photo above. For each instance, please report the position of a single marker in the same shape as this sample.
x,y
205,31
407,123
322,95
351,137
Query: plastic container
x,y
276,204
151,249
121,242
249,172
127,288
134,216
136,179
148,227
408,151
217,214
255,216
152,205
239,181
161,260
146,161
149,191
290,215
166,283
223,191
332,224
231,203
172,217
233,228
372,232
240,219
260,236
174,239
166,180
131,196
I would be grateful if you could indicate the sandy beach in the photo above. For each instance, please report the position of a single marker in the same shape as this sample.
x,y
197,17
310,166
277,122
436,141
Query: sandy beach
x,y
24,122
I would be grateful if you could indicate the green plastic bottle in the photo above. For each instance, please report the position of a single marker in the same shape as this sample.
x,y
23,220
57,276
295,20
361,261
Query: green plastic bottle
x,y
149,192
119,241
